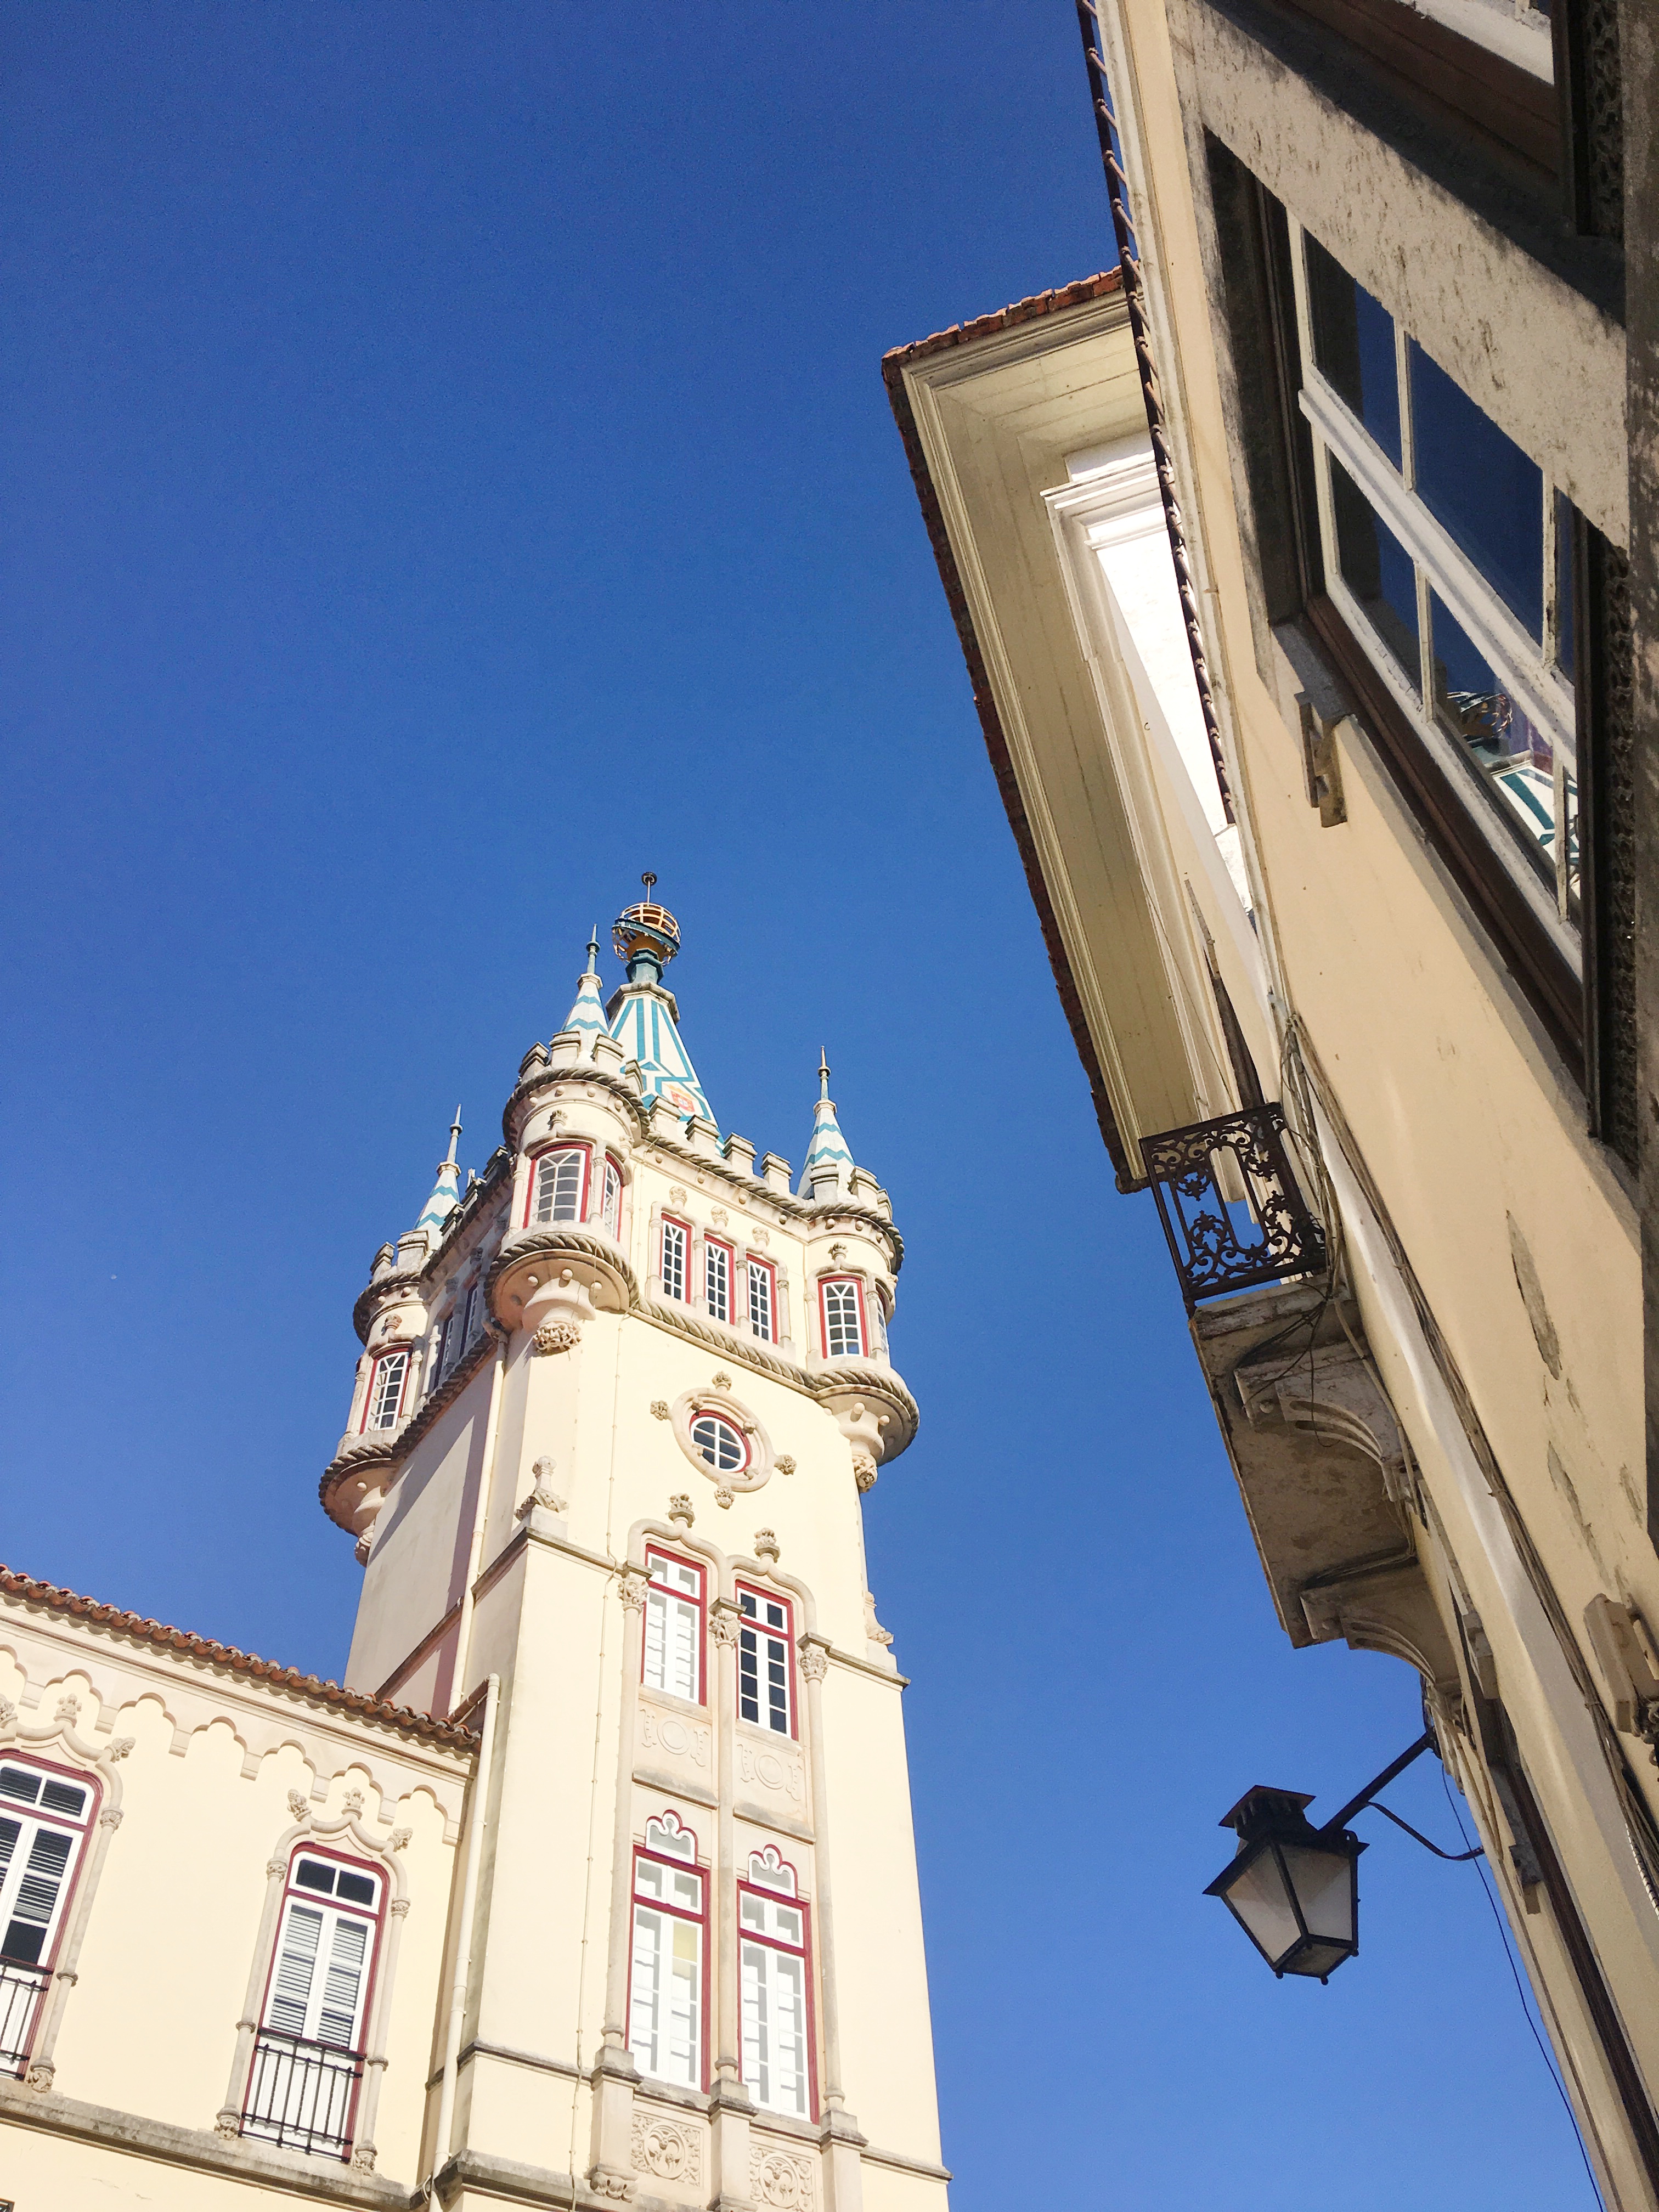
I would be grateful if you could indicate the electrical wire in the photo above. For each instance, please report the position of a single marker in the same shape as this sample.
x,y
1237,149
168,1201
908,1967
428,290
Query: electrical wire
x,y
1520,1991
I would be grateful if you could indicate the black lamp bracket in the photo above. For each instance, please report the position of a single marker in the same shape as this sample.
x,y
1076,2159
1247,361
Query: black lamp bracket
x,y
1367,1796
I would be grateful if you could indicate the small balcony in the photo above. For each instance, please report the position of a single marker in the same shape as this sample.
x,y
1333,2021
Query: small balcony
x,y
1231,1205
301,2094
21,1990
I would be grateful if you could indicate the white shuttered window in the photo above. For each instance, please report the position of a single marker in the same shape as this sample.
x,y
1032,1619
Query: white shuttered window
x,y
772,1977
673,1628
665,1991
42,1827
325,1953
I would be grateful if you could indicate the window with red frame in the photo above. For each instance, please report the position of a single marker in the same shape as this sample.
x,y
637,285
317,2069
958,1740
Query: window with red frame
x,y
611,1201
717,1279
841,1300
766,1671
774,1968
720,1443
308,2050
666,2001
673,1627
386,1390
762,1301
558,1185
44,1817
674,1242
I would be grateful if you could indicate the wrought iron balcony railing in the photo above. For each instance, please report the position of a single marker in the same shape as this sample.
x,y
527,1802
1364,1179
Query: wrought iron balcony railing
x,y
300,2093
20,1987
1219,1245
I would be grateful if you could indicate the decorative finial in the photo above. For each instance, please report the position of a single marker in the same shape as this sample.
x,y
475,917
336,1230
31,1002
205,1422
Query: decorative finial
x,y
648,880
593,950
823,1073
449,1159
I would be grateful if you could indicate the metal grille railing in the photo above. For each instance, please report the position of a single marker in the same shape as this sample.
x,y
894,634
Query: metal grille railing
x,y
300,2093
1215,1250
20,1988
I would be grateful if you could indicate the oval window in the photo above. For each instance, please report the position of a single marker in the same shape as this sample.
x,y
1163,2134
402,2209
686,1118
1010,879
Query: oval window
x,y
719,1442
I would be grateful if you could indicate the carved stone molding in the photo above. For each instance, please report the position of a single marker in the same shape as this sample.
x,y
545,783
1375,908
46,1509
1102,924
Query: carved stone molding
x,y
557,1336
1390,1608
606,2181
864,1470
679,1738
778,1771
631,1587
780,2179
723,1624
669,2150
814,1663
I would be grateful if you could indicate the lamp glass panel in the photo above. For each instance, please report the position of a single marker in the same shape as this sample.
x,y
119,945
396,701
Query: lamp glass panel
x,y
1324,1889
1261,1898
1318,1960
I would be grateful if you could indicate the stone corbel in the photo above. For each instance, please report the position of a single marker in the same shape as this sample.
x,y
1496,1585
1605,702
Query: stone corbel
x,y
1330,1395
1387,1607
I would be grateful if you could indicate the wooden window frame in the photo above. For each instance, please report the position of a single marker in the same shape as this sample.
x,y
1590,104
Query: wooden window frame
x,y
655,1553
584,1152
700,1920
803,1951
826,1283
762,1596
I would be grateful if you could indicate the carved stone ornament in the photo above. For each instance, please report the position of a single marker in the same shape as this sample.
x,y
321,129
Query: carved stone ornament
x,y
766,1544
786,1465
763,1238
392,1325
779,1770
873,1627
353,1802
723,1627
557,1336
680,1739
718,1216
41,2075
606,2181
722,1381
677,1193
631,1588
397,1838
7,1712
276,1865
397,1908
814,1663
299,1804
120,1747
549,1500
780,2179
659,1409
864,1470
111,1819
679,1508
68,1707
670,2149
837,1255
722,1495
362,2159
229,2125
361,1549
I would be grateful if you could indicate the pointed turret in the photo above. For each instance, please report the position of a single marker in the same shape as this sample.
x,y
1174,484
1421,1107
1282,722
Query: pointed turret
x,y
446,1191
644,1019
828,1166
586,1016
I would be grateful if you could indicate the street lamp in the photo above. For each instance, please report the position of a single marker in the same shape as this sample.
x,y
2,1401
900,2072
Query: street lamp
x,y
1293,1888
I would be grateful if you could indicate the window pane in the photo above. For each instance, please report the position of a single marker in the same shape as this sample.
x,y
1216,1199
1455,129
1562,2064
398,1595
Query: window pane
x,y
1515,760
1482,487
1377,569
1353,345
1564,585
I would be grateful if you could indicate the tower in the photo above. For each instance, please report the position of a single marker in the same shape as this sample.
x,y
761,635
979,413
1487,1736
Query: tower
x,y
619,1400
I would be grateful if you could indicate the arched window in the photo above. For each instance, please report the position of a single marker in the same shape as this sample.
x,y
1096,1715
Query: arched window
x,y
717,1279
560,1184
44,1815
666,2000
673,1627
766,1672
763,1300
842,1302
308,2051
772,1977
673,1259
386,1390
611,1208
725,1448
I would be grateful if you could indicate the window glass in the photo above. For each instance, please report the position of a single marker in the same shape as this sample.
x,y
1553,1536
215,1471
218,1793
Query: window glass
x,y
559,1185
1514,758
612,1206
1564,640
1353,345
765,1677
717,1272
760,1299
1377,569
773,1988
1482,486
388,1390
673,1628
843,1338
673,1259
719,1442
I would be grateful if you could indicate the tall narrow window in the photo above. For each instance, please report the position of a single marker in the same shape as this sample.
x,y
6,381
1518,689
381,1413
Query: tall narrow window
x,y
717,1279
386,1390
772,1974
765,1662
474,1312
843,1319
673,1627
43,1826
308,2053
441,1350
762,1301
611,1210
559,1185
665,1981
673,1259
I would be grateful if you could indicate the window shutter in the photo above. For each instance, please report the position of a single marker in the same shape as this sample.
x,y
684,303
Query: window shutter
x,y
321,1972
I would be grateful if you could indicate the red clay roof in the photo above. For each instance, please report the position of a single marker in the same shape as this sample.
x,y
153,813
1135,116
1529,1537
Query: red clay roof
x,y
236,1663
1007,318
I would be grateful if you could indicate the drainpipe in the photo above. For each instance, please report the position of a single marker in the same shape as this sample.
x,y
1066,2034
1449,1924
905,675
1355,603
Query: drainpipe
x,y
464,1935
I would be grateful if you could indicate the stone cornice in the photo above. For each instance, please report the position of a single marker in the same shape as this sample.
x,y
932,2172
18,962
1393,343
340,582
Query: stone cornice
x,y
809,1215
415,1281
88,1611
580,1071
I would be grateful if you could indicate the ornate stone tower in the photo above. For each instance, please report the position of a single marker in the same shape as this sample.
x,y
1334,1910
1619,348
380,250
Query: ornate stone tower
x,y
618,1402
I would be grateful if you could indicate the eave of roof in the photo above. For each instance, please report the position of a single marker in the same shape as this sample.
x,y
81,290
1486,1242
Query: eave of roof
x,y
1084,290
180,1640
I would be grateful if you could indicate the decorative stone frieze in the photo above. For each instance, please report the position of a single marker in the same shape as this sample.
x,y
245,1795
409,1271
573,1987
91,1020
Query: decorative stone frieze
x,y
668,2150
780,2179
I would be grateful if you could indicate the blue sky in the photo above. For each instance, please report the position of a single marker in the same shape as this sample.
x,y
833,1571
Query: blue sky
x,y
449,473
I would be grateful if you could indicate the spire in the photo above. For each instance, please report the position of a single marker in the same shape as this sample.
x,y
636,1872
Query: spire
x,y
644,1017
586,1016
446,1192
828,1162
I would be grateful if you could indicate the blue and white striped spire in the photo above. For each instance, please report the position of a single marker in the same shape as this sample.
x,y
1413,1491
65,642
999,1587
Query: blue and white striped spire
x,y
586,1016
446,1192
828,1162
647,937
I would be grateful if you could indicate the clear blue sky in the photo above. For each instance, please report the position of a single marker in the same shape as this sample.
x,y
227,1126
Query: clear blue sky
x,y
448,472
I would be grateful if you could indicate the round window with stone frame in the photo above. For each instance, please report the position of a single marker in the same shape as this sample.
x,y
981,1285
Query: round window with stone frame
x,y
722,1440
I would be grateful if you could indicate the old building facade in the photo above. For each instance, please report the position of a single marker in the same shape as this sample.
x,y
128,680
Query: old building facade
x,y
1298,596
595,1883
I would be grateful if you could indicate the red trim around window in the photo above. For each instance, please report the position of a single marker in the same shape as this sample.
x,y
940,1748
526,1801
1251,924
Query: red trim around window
x,y
83,1824
612,1164
705,1875
824,1282
718,1413
290,1889
762,1596
748,1935
560,1145
754,1260
658,1552
720,1245
673,1221
395,1352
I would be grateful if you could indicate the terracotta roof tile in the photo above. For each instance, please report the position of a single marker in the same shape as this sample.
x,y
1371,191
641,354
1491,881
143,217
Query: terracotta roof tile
x,y
1074,295
407,1722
